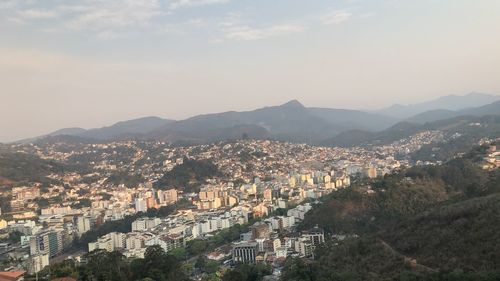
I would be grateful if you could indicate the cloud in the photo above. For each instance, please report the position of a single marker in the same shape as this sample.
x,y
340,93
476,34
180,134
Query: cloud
x,y
335,17
247,33
107,15
112,19
14,4
236,27
177,4
37,14
105,19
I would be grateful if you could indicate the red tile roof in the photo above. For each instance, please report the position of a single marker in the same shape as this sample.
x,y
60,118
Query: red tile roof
x,y
11,275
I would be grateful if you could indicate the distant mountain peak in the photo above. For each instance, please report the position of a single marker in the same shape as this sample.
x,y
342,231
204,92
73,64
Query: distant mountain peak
x,y
293,104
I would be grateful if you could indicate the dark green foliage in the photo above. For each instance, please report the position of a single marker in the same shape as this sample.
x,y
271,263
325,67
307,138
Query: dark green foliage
x,y
247,272
453,276
42,202
124,225
24,167
101,265
188,175
458,175
463,235
5,204
125,178
14,237
67,268
207,266
196,246
179,253
470,135
83,203
157,265
445,150
423,223
359,259
298,270
280,212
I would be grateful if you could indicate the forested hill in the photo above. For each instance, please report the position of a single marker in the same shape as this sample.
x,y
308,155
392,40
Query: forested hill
x,y
425,223
19,167
189,175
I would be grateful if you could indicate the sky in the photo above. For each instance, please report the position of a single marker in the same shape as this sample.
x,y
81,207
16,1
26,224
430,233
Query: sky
x,y
91,63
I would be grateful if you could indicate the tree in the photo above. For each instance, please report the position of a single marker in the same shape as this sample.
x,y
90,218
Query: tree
x,y
247,272
179,253
15,237
297,270
105,266
158,266
43,202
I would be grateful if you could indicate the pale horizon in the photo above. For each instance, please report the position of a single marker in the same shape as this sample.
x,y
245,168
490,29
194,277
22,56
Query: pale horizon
x,y
90,64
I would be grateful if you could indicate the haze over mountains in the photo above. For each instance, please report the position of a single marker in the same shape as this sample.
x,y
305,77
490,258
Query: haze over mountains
x,y
291,121
449,103
438,114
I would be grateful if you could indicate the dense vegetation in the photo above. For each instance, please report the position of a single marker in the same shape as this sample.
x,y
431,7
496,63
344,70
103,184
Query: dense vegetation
x,y
189,175
445,150
13,238
424,223
101,265
369,259
5,204
125,178
246,272
23,167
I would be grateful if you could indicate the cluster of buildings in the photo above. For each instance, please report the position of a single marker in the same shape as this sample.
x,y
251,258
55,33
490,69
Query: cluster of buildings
x,y
259,177
275,238
492,158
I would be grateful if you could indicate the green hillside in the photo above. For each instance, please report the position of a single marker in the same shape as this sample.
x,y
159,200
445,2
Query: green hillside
x,y
24,167
425,223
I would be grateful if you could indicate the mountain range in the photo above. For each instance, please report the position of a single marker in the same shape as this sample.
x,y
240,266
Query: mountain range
x,y
439,114
291,121
448,103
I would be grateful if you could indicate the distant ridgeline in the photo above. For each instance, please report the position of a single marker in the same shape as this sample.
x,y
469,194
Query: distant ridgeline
x,y
292,122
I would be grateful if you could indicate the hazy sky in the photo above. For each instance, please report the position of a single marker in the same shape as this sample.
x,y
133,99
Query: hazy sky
x,y
89,63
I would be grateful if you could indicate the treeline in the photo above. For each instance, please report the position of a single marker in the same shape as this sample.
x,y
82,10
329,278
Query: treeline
x,y
248,272
372,266
101,265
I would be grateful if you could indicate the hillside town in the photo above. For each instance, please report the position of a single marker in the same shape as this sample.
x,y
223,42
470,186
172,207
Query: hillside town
x,y
262,188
